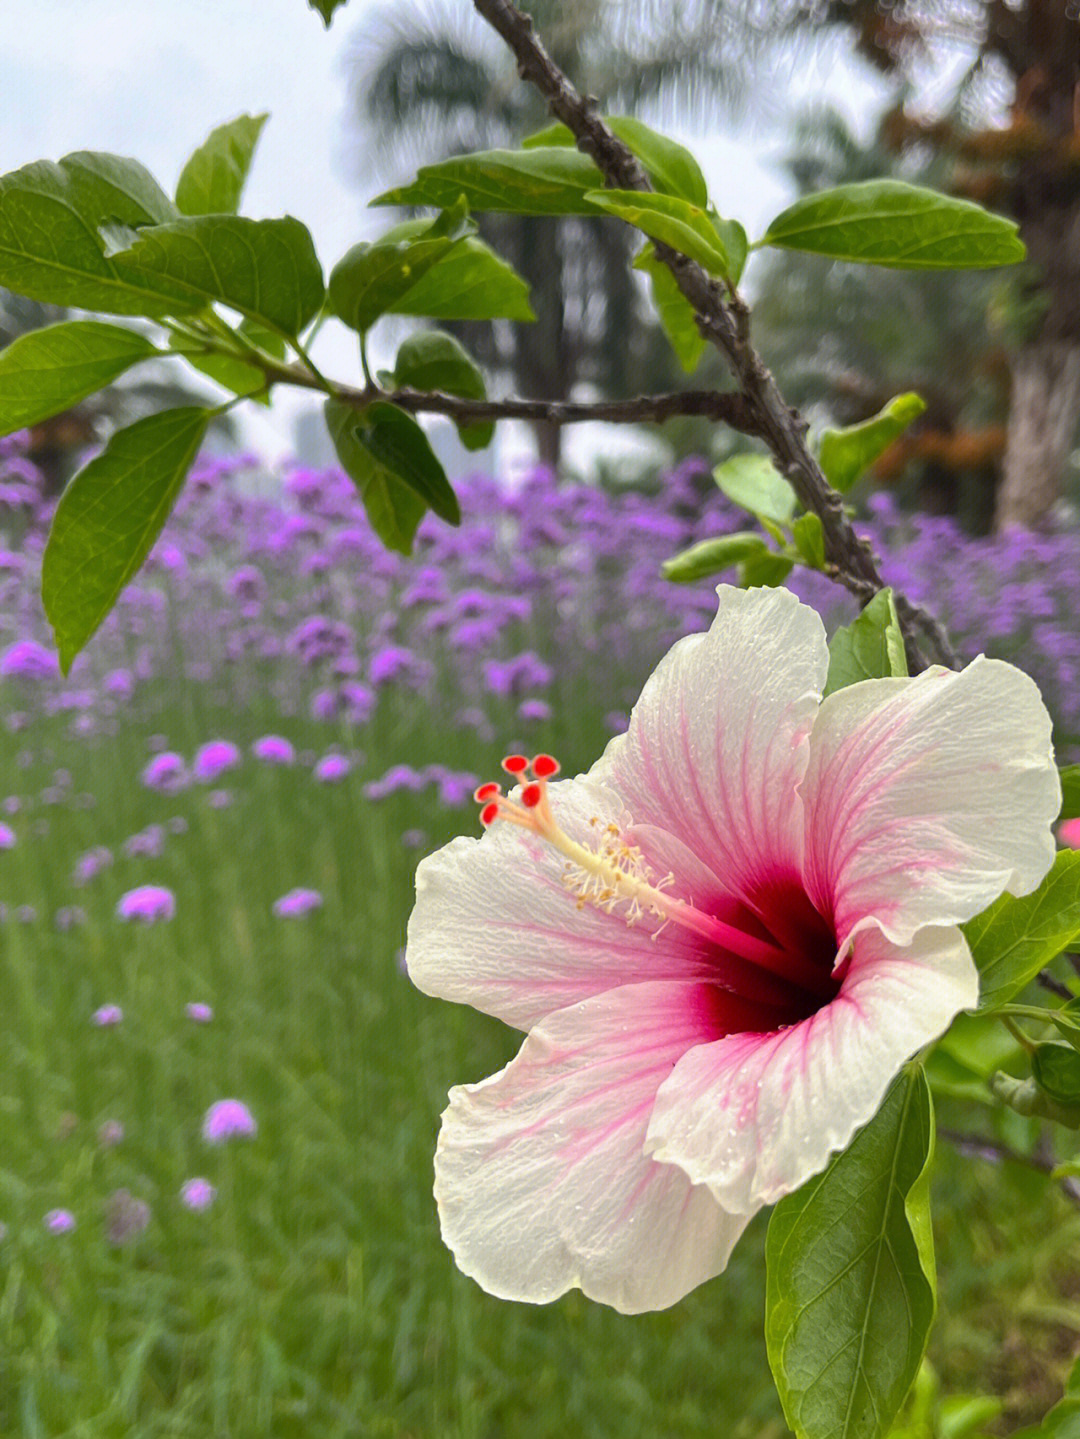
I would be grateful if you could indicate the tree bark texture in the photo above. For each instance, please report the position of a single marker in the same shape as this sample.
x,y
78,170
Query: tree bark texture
x,y
1043,415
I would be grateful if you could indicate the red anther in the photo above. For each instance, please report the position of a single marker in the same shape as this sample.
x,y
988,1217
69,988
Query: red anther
x,y
531,795
489,814
515,764
543,766
487,791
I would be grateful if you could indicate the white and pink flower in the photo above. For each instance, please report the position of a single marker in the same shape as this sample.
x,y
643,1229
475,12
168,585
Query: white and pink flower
x,y
723,942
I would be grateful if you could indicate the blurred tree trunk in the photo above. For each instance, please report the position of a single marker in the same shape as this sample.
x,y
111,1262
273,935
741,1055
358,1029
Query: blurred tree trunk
x,y
1043,415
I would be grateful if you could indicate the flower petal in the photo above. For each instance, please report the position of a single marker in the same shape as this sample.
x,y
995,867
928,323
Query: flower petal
x,y
926,798
718,741
495,926
755,1115
541,1178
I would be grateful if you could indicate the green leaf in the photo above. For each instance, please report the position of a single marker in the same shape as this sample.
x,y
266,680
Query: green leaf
x,y
1070,791
1067,1021
736,246
766,568
47,371
50,245
372,277
109,517
1056,1070
265,269
870,648
809,537
1026,1098
675,311
888,222
754,482
388,457
1015,938
669,165
851,1288
847,454
544,181
232,374
670,220
393,508
212,181
432,360
470,282
709,557
326,8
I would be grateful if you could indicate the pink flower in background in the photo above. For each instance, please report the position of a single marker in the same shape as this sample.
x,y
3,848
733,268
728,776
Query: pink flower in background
x,y
199,1013
228,1119
1069,833
59,1221
107,1016
723,942
147,903
7,836
197,1193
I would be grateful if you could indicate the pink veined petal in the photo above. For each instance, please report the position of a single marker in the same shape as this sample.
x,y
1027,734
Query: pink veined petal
x,y
541,1178
925,798
755,1115
718,741
495,926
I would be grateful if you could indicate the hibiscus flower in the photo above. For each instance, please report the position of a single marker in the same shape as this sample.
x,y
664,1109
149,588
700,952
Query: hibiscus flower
x,y
723,941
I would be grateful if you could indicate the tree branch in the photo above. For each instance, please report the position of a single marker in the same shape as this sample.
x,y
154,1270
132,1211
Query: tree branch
x,y
724,320
976,1146
726,407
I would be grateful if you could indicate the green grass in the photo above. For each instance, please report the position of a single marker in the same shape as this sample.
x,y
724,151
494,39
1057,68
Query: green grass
x,y
315,1298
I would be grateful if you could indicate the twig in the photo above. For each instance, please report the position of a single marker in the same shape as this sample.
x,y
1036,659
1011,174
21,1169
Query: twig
x,y
725,406
994,1153
723,319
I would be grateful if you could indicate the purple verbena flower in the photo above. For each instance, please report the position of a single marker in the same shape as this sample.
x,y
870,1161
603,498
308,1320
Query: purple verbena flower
x,y
107,1016
213,759
28,660
147,903
332,768
167,773
228,1119
197,1193
199,1013
273,749
297,903
7,836
59,1221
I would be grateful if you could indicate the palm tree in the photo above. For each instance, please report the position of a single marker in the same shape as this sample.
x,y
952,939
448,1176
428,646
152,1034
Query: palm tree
x,y
428,83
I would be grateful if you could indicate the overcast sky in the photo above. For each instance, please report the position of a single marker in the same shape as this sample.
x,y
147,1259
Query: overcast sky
x,y
149,78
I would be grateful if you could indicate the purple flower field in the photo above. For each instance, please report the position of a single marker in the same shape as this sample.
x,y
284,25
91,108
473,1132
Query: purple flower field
x,y
221,1093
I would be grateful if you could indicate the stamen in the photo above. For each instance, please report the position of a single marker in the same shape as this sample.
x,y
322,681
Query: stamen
x,y
614,873
487,791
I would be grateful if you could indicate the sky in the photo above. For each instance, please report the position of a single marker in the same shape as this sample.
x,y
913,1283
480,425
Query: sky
x,y
150,78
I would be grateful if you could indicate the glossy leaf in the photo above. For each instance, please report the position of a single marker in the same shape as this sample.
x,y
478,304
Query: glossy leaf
x,y
669,220
851,1288
212,181
545,181
765,568
809,537
109,517
1070,791
1013,939
847,454
870,648
670,166
736,245
432,360
754,482
1056,1070
1067,1021
888,222
50,245
49,370
710,557
470,282
371,277
674,309
265,269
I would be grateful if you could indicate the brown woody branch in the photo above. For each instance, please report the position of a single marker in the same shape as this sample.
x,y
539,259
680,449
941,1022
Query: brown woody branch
x,y
724,321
